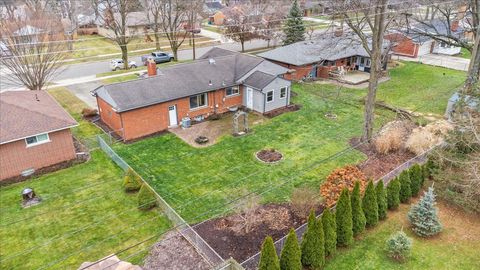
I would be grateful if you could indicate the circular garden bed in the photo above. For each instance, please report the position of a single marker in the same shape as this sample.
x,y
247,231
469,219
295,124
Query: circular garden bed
x,y
270,156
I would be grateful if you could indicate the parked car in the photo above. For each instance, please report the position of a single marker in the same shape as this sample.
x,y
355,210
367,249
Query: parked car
x,y
117,64
158,57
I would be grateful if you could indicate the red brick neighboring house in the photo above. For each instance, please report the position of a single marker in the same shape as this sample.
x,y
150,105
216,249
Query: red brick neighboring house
x,y
34,133
221,80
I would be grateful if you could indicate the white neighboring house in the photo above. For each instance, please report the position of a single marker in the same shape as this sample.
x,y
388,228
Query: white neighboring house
x,y
438,27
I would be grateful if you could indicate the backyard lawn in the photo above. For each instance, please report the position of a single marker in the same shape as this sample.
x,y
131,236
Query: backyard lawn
x,y
457,246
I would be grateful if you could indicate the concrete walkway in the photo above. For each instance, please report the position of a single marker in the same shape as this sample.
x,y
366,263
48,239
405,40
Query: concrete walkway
x,y
439,60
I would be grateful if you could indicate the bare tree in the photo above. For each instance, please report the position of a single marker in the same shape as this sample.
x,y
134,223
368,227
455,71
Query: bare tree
x,y
193,12
240,25
153,15
34,54
271,27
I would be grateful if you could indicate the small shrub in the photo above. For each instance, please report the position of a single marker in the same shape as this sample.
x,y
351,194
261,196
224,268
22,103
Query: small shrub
x,y
303,200
424,217
146,198
393,194
87,112
370,205
329,232
338,180
268,256
398,246
405,190
131,181
416,179
343,218
291,257
313,246
381,200
358,217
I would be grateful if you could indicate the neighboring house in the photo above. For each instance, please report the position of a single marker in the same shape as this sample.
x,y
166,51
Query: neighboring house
x,y
220,81
409,44
313,7
218,18
320,57
211,8
34,133
137,23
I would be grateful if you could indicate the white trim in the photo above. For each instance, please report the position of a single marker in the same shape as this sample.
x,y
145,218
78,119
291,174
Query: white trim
x,y
199,107
286,92
51,131
232,95
273,96
38,142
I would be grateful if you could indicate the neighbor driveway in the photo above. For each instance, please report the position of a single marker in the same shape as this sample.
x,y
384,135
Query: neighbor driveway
x,y
439,60
82,91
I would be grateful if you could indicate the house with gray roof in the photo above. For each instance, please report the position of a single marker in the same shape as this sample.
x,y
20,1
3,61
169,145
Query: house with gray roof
x,y
218,82
322,57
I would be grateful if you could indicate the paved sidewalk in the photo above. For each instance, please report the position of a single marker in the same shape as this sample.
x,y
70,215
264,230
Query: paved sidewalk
x,y
439,60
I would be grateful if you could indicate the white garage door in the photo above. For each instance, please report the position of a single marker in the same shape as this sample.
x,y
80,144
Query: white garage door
x,y
425,48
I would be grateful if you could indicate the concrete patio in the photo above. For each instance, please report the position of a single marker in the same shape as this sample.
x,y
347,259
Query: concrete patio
x,y
354,77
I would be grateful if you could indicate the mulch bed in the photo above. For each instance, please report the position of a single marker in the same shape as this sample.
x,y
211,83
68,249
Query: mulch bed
x,y
227,236
269,155
279,111
377,165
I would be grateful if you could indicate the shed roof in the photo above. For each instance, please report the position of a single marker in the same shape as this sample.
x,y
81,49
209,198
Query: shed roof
x,y
259,79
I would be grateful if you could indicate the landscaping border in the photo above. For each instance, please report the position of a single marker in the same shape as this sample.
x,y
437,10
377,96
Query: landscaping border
x,y
203,248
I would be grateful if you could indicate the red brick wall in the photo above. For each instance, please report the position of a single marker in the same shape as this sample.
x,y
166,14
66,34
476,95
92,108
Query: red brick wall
x,y
16,157
405,46
148,120
300,71
109,116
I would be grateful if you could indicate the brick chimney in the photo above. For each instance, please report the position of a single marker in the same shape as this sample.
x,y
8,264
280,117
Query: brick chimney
x,y
454,25
151,68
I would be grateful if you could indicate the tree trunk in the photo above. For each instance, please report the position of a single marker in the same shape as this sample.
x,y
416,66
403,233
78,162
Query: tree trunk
x,y
157,40
474,67
175,52
243,45
123,47
193,44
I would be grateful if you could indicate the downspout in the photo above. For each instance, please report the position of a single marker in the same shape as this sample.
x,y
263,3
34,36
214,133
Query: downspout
x,y
123,128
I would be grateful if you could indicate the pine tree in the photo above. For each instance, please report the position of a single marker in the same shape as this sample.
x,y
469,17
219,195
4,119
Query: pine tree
x,y
381,200
424,217
268,256
313,246
291,257
131,181
330,232
405,190
146,198
294,28
370,206
393,194
416,179
358,217
343,218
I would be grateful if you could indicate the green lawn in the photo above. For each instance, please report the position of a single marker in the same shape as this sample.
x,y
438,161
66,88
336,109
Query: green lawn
x,y
84,216
457,247
464,53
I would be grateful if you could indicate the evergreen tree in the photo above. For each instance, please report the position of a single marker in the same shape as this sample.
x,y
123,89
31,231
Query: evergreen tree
x,y
393,194
146,198
424,217
131,181
405,190
370,206
416,179
381,200
430,168
268,256
313,246
358,217
329,231
294,28
291,257
343,218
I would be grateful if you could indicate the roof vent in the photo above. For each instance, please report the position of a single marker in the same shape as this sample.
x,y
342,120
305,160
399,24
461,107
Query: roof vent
x,y
210,82
211,61
223,83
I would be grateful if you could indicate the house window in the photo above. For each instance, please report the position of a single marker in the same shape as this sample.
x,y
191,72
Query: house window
x,y
269,96
362,61
198,101
283,92
36,140
232,91
368,63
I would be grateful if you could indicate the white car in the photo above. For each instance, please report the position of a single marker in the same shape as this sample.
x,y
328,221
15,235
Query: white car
x,y
117,64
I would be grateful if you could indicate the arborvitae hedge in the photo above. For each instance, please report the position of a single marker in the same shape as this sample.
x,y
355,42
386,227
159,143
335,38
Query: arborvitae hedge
x,y
358,217
370,206
405,190
381,200
313,245
146,198
416,179
291,257
393,194
329,231
131,181
268,256
343,218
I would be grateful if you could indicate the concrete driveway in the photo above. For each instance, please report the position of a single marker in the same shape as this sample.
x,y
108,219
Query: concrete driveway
x,y
439,60
82,91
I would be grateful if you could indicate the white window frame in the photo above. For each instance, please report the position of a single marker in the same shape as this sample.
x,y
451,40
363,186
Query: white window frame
x,y
286,91
37,141
273,96
198,107
234,93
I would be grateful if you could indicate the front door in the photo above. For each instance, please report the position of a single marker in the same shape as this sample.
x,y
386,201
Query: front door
x,y
172,115
249,98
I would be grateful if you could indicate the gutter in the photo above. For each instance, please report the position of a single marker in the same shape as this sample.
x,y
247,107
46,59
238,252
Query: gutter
x,y
50,131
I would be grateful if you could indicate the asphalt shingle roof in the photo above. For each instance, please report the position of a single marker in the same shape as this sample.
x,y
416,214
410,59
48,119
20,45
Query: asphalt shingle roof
x,y
259,79
27,113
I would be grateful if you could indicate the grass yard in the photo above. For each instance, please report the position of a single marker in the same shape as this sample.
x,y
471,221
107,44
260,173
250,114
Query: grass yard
x,y
84,216
457,247
464,53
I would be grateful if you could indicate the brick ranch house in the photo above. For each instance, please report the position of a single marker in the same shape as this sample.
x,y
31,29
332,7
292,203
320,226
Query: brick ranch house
x,y
34,133
320,57
220,81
